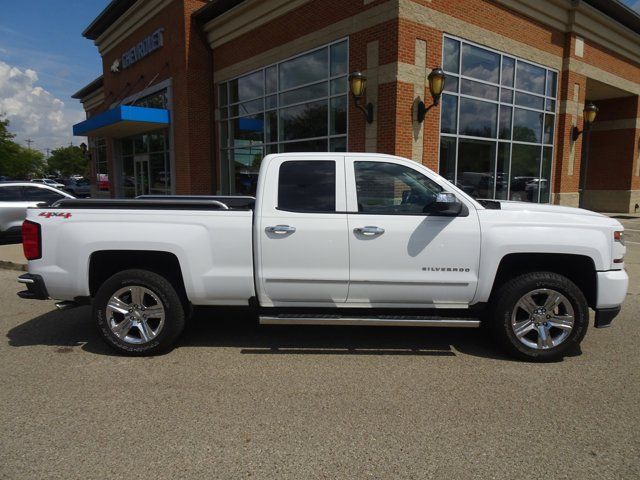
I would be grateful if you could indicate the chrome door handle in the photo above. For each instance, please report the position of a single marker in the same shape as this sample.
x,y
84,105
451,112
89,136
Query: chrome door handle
x,y
281,229
369,230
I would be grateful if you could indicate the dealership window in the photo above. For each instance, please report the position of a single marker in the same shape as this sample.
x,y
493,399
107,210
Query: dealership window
x,y
155,100
497,123
299,104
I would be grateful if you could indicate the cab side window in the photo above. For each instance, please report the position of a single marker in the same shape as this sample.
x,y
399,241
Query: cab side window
x,y
390,189
307,186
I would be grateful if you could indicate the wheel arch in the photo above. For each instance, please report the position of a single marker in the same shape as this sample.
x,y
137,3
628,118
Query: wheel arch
x,y
105,263
580,269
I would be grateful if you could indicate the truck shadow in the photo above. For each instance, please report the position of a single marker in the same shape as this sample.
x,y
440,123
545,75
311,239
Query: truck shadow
x,y
239,329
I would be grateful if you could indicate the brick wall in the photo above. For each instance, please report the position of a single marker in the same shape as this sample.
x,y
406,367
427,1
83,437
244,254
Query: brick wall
x,y
612,150
301,21
185,59
396,43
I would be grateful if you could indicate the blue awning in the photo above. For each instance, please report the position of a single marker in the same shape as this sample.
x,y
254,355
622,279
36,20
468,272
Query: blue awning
x,y
122,121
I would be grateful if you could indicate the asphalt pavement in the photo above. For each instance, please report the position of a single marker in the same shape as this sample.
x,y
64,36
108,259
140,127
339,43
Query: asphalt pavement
x,y
236,400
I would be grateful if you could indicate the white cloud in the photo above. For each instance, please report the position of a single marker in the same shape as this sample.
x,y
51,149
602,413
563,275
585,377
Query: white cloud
x,y
33,112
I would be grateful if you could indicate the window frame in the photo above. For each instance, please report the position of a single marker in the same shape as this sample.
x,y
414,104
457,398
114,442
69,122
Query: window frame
x,y
549,75
267,145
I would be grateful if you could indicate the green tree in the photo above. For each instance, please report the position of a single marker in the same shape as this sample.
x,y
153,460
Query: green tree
x,y
8,148
16,161
68,161
5,134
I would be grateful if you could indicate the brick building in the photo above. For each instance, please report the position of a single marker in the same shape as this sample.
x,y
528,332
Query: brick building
x,y
240,79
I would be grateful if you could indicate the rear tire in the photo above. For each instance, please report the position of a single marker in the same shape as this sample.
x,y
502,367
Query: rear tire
x,y
540,316
138,312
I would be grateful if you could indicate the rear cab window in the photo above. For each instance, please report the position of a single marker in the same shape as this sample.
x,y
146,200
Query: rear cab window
x,y
307,186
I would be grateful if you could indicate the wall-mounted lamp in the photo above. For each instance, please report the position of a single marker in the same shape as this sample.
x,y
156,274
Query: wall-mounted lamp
x,y
436,86
358,87
589,116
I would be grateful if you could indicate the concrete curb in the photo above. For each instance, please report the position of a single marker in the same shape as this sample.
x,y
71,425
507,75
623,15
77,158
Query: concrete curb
x,y
4,265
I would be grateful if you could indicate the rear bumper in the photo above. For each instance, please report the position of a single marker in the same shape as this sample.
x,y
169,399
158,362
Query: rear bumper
x,y
11,232
36,289
604,316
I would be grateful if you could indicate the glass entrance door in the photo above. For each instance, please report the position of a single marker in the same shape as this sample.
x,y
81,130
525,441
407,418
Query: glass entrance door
x,y
141,174
146,165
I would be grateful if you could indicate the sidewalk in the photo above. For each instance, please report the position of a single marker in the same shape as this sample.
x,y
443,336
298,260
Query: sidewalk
x,y
624,216
12,258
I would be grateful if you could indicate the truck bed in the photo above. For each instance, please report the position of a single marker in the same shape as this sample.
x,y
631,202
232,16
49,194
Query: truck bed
x,y
210,240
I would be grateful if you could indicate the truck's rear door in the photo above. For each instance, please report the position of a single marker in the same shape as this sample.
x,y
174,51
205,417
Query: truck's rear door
x,y
301,231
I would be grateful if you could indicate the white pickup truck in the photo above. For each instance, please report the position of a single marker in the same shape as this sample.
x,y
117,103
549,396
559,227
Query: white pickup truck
x,y
331,238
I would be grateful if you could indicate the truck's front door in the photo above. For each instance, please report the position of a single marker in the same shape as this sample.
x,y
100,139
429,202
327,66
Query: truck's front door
x,y
301,234
400,254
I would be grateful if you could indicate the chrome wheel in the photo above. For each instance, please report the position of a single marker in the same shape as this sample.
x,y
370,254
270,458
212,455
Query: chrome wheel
x,y
542,319
135,314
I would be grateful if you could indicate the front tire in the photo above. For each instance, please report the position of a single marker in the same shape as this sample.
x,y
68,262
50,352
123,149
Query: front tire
x,y
138,312
540,316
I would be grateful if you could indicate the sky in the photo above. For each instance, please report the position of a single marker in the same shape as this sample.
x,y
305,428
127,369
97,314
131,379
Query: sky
x,y
44,59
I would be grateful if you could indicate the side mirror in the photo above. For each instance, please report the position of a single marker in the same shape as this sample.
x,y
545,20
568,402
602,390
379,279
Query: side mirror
x,y
446,204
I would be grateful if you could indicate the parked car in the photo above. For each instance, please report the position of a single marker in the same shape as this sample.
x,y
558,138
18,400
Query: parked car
x,y
337,239
532,187
80,188
481,183
49,182
16,197
103,182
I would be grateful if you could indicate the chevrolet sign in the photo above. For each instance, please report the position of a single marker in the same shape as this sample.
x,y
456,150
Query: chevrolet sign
x,y
141,50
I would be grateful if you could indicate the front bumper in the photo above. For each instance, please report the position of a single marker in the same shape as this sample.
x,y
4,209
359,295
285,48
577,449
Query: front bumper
x,y
612,289
604,316
36,289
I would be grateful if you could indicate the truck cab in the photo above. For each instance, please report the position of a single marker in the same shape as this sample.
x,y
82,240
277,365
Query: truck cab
x,y
363,231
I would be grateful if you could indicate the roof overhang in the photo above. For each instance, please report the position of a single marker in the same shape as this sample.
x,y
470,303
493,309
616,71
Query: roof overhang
x,y
123,121
89,88
105,19
214,9
605,22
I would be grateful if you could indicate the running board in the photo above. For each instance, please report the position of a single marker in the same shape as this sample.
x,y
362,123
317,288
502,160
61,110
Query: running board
x,y
379,320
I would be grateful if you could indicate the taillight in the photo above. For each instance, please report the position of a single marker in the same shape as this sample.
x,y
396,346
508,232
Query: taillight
x,y
31,240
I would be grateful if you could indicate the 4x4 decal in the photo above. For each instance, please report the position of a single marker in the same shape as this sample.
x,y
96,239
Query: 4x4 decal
x,y
55,214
